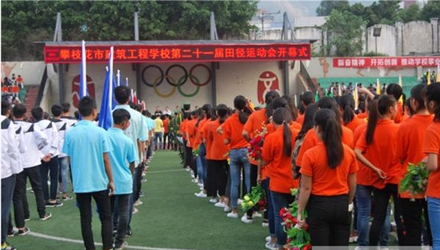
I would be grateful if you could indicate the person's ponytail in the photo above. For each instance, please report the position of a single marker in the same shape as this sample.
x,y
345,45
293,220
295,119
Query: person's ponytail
x,y
282,116
331,134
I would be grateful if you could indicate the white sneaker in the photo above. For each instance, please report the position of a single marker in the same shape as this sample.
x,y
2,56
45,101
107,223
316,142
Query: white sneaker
x,y
264,224
227,209
213,200
138,203
232,215
257,215
267,239
135,210
200,195
200,184
220,204
246,220
239,201
271,246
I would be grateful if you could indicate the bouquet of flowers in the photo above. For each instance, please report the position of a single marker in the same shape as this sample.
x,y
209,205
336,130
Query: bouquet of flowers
x,y
255,149
416,180
297,238
256,198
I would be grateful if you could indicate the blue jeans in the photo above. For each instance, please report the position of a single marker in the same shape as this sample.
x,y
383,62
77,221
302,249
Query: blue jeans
x,y
158,140
270,214
280,200
434,219
8,185
239,157
120,210
201,164
363,199
64,169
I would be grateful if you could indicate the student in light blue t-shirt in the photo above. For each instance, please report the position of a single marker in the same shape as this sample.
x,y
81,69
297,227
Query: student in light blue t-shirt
x,y
122,158
87,147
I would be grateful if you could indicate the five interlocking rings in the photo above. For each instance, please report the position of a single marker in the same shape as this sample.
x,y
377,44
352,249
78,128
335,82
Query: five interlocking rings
x,y
180,82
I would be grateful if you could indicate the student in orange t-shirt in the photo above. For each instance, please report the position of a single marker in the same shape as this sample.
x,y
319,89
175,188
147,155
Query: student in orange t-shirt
x,y
277,152
238,153
306,99
349,118
312,138
396,91
328,184
376,149
187,153
410,138
253,126
216,157
431,147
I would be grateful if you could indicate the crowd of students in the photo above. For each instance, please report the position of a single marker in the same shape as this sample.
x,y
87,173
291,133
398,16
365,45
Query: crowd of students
x,y
339,158
346,163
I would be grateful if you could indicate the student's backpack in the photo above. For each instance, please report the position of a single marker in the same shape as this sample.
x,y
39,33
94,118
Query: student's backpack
x,y
295,153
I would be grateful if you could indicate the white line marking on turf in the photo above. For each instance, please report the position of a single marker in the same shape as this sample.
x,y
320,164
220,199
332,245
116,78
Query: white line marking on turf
x,y
165,171
49,237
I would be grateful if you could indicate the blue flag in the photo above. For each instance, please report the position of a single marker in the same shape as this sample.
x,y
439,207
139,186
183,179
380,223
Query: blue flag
x,y
107,102
83,72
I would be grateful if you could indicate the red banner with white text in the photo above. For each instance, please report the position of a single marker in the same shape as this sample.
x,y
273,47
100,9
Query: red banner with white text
x,y
386,62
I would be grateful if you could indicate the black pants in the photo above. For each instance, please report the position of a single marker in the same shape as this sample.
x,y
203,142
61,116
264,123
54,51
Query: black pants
x,y
254,175
102,200
138,179
217,177
187,155
329,220
166,141
53,167
412,212
19,198
381,200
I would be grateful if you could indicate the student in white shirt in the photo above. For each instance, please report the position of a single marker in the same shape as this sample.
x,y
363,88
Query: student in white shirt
x,y
49,163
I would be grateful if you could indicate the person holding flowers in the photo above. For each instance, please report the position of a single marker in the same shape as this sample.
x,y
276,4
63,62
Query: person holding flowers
x,y
376,149
431,147
410,138
328,184
277,157
232,134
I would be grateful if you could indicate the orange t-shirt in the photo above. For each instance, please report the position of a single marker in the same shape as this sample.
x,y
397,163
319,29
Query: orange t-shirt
x,y
182,128
355,123
364,174
410,138
399,114
191,129
198,137
382,151
232,130
363,115
300,119
431,145
254,125
280,166
166,125
311,140
215,147
325,180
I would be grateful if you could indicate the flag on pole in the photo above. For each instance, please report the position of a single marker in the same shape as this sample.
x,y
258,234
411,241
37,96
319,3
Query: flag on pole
x,y
356,98
428,78
83,72
118,78
378,87
126,81
339,90
438,73
401,85
105,113
316,96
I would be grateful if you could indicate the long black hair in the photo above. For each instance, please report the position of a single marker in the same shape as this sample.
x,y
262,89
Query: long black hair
x,y
308,120
417,94
331,134
240,104
223,112
378,108
346,102
282,116
330,103
432,94
268,99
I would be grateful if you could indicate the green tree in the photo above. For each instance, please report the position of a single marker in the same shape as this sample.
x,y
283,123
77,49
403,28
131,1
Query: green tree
x,y
345,33
25,22
410,14
383,12
326,7
430,10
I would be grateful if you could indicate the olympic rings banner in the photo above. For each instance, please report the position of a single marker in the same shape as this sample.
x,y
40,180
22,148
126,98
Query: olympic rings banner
x,y
180,53
176,76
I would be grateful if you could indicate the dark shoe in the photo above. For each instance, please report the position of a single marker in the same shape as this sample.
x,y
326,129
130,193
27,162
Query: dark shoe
x,y
12,234
25,231
128,234
6,246
54,204
46,216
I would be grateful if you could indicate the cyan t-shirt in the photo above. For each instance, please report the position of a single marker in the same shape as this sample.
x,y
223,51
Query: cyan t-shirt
x,y
122,154
86,144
